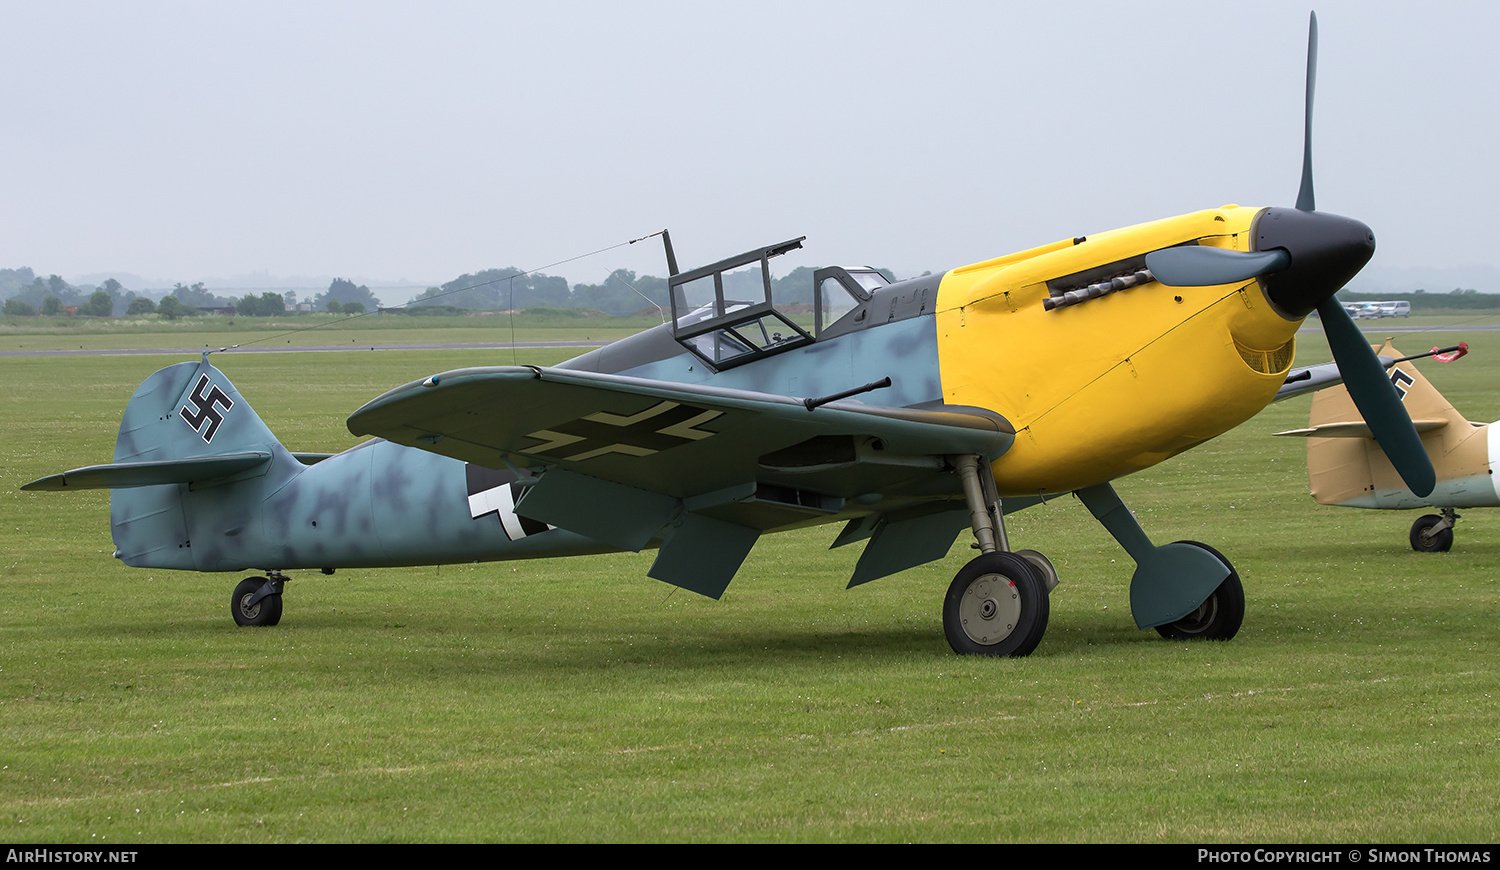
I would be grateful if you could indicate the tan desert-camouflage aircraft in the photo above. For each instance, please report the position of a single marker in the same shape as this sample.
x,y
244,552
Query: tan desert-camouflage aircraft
x,y
1346,467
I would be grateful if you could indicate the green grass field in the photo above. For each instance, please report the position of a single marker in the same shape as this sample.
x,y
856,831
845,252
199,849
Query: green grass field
x,y
577,700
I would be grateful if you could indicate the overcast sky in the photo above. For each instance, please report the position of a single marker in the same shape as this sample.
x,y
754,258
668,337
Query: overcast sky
x,y
419,141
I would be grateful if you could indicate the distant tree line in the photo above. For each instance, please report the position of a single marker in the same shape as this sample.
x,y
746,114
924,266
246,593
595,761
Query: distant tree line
x,y
26,294
343,297
621,292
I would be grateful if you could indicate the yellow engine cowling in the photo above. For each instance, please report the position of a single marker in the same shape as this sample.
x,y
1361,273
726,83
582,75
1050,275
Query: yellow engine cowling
x,y
1115,383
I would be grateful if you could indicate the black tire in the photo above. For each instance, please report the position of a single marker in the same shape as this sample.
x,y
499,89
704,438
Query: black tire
x,y
265,612
1219,617
996,606
1424,541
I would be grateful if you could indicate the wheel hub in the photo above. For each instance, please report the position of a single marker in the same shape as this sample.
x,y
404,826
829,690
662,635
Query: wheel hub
x,y
1199,620
990,609
249,610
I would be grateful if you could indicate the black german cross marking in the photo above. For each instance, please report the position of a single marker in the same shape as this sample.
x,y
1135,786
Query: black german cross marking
x,y
1402,382
204,409
660,427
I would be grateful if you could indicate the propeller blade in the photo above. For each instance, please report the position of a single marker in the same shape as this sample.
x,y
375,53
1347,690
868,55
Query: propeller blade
x,y
1305,199
1200,266
1376,398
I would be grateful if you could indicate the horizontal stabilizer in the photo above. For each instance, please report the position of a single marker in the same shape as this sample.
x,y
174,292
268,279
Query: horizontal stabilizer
x,y
1355,429
122,475
1319,377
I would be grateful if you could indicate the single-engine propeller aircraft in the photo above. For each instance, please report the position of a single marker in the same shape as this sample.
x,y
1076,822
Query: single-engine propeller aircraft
x,y
907,412
1346,467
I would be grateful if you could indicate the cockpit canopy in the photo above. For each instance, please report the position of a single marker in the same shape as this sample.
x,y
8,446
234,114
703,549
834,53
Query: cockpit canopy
x,y
727,313
841,289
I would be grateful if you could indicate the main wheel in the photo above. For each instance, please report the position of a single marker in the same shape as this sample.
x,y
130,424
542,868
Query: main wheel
x,y
266,611
1219,616
996,606
1424,540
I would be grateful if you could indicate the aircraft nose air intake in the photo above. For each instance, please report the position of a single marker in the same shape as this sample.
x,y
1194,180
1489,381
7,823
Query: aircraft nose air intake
x,y
1326,251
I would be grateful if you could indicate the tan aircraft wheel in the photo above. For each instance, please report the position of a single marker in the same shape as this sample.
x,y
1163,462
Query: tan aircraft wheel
x,y
1424,540
1219,617
996,606
265,612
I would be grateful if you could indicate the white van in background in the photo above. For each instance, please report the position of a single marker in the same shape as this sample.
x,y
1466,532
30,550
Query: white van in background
x,y
1377,310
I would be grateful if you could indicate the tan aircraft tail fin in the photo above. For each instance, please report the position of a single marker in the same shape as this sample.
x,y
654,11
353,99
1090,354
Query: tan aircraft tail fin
x,y
1346,467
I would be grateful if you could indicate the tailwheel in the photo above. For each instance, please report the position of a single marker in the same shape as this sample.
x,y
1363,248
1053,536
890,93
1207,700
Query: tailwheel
x,y
1219,616
1432,533
996,606
251,608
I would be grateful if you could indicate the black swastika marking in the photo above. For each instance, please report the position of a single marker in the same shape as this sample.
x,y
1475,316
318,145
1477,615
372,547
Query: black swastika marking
x,y
1402,382
206,408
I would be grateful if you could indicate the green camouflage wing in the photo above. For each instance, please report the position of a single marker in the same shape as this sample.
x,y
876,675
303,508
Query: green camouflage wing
x,y
630,461
679,440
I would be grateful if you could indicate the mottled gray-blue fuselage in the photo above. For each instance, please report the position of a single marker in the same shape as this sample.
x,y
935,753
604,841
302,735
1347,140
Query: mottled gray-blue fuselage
x,y
384,504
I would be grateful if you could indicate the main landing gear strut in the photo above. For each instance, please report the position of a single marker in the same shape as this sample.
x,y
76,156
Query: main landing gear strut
x,y
997,605
1184,590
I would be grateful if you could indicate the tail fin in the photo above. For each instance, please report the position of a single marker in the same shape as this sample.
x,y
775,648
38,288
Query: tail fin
x,y
189,411
184,415
1346,467
185,429
171,434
